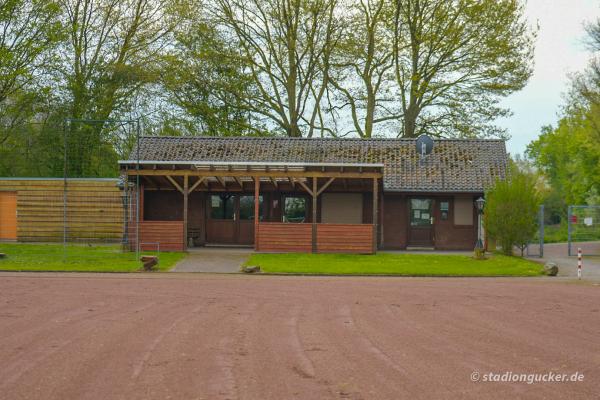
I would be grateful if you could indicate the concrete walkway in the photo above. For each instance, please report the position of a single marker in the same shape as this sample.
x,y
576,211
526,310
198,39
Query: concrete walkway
x,y
567,266
213,259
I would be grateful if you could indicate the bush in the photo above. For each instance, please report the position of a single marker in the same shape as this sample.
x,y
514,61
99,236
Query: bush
x,y
511,212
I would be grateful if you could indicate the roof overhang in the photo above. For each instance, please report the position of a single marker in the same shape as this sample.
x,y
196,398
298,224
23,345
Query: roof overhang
x,y
251,163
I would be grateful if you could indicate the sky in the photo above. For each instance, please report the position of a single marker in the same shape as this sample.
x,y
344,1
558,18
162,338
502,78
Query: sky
x,y
560,50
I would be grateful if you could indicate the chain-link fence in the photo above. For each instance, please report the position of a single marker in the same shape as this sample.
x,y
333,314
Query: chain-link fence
x,y
584,229
78,213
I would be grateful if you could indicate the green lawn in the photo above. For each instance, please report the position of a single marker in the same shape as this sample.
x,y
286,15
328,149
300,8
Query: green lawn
x,y
395,264
51,257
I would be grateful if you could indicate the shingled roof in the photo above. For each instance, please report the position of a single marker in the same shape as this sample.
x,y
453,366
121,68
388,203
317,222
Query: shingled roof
x,y
455,165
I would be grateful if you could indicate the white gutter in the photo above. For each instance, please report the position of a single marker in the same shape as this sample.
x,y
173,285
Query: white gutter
x,y
252,163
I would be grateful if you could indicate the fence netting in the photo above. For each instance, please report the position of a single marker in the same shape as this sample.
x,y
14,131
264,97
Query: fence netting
x,y
72,204
584,229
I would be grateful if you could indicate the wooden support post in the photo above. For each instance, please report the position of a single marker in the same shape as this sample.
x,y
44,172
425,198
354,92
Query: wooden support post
x,y
375,206
314,214
186,189
256,210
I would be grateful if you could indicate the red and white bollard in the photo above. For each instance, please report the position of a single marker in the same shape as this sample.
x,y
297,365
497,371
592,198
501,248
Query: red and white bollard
x,y
579,263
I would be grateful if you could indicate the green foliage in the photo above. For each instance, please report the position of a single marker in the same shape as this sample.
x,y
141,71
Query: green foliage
x,y
511,211
394,264
455,60
246,67
83,258
206,79
569,156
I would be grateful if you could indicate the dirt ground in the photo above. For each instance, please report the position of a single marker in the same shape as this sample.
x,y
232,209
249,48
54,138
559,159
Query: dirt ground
x,y
185,336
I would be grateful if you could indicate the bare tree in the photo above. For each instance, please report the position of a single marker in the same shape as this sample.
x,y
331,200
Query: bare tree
x,y
287,46
363,64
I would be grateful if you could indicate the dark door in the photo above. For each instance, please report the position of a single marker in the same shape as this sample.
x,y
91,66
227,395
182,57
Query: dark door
x,y
245,218
420,231
231,219
220,224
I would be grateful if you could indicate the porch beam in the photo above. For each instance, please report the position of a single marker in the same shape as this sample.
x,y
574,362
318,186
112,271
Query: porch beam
x,y
238,181
197,183
273,174
274,182
325,186
314,214
256,210
151,181
186,190
221,181
306,187
375,206
174,182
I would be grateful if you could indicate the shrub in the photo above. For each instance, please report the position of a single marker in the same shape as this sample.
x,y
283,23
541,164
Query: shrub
x,y
511,209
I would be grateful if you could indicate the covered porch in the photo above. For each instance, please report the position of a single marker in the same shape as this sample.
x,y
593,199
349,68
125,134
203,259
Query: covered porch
x,y
301,207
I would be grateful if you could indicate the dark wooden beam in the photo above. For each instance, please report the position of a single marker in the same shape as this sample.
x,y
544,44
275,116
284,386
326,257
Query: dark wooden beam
x,y
174,183
305,187
314,215
375,206
186,190
325,186
151,181
256,211
238,181
274,182
222,181
197,183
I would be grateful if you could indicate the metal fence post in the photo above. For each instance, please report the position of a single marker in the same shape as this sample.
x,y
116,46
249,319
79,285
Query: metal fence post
x,y
541,231
569,214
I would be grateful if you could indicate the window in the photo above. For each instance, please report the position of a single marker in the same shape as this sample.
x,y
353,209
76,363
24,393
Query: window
x,y
444,209
463,211
247,208
420,212
221,206
294,209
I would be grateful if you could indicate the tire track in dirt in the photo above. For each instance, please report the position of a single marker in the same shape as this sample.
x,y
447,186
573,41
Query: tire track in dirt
x,y
42,344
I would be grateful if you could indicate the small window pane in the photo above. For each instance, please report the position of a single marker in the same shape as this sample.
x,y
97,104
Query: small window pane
x,y
294,209
420,212
444,210
247,208
221,206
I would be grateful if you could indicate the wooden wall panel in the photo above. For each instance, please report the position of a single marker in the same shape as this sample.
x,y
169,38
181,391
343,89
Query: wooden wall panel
x,y
345,238
168,234
284,237
394,221
331,238
94,209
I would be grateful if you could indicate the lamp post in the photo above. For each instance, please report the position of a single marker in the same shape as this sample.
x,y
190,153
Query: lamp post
x,y
479,204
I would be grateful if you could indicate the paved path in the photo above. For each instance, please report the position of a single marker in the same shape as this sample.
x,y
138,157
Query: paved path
x,y
213,259
203,336
567,266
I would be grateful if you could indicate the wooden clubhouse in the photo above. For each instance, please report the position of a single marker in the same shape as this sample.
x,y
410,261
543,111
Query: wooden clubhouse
x,y
311,195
